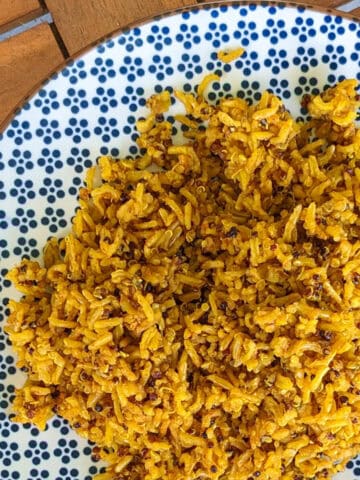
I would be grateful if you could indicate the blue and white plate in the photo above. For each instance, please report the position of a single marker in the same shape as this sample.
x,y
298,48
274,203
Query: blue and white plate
x,y
90,108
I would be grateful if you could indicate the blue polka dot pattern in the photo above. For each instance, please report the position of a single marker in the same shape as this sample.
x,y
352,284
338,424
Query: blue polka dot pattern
x,y
105,99
54,219
48,130
75,71
47,101
20,160
79,159
90,108
77,129
107,129
103,69
76,100
19,131
50,160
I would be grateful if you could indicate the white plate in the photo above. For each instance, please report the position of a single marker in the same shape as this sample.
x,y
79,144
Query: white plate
x,y
90,109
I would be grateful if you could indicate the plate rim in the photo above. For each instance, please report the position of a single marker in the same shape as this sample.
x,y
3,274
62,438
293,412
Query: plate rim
x,y
148,19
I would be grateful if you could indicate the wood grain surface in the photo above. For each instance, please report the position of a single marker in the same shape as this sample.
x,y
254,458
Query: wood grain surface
x,y
15,11
327,3
82,22
25,61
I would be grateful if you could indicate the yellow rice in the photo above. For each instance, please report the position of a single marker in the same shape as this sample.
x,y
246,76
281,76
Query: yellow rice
x,y
201,320
228,56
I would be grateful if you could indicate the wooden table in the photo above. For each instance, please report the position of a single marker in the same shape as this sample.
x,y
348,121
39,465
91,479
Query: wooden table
x,y
37,36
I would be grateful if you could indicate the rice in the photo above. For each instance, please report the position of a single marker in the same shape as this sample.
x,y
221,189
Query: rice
x,y
230,55
201,320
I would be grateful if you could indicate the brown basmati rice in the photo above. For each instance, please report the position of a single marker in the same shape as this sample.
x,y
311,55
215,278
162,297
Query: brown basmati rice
x,y
202,321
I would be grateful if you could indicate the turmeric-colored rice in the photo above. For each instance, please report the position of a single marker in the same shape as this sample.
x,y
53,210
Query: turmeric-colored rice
x,y
202,319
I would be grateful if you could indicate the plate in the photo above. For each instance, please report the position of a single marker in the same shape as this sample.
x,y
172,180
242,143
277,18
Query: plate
x,y
90,108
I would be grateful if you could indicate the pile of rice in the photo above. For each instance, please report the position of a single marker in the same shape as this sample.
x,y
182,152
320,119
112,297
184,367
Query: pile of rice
x,y
202,319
